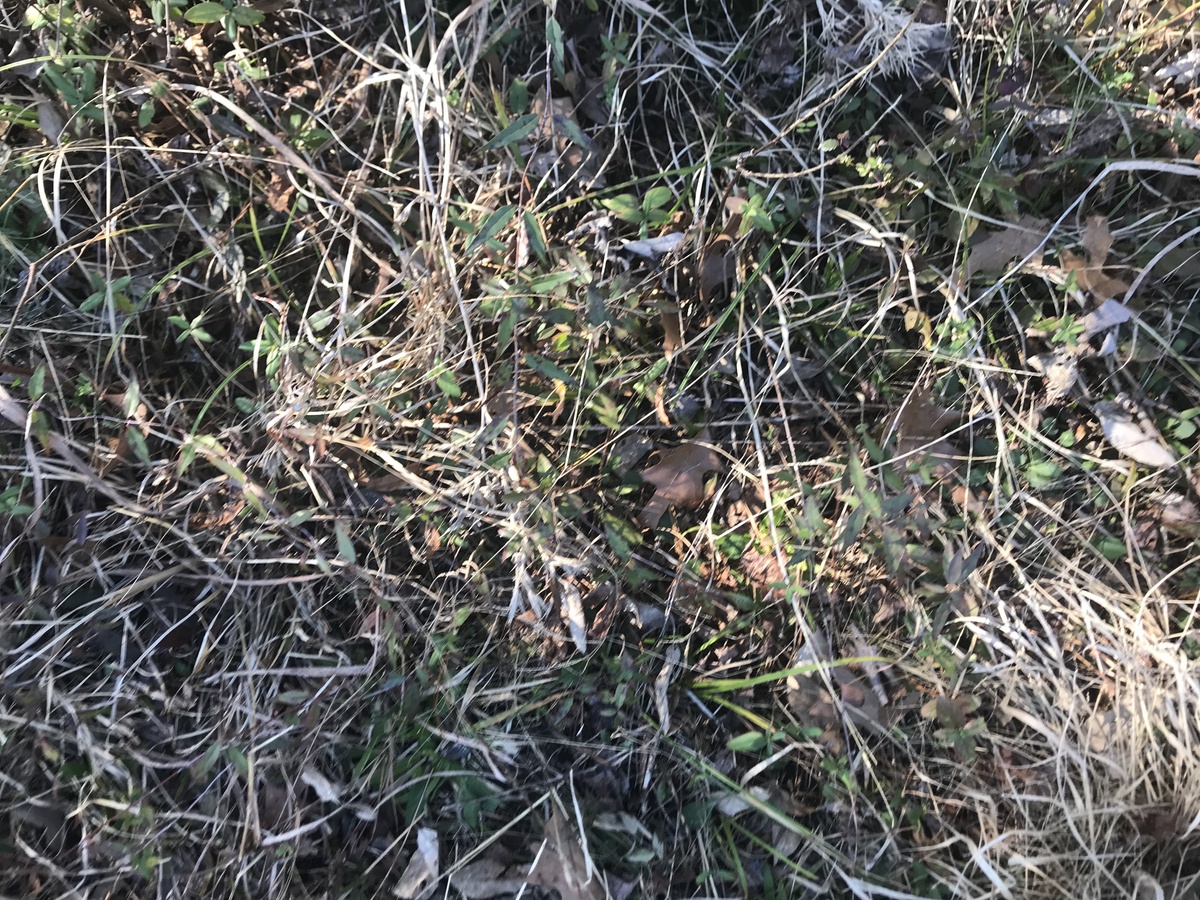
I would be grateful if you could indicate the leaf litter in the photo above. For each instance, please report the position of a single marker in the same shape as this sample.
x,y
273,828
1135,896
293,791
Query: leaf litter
x,y
562,864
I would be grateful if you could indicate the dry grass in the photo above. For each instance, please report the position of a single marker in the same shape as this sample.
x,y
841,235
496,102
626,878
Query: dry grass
x,y
327,369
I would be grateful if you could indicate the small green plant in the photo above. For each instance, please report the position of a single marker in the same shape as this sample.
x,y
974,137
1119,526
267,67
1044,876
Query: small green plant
x,y
70,30
10,500
118,289
957,731
190,329
162,11
755,215
651,212
231,15
1064,330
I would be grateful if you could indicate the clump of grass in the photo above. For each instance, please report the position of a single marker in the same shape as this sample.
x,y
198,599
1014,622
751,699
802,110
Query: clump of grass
x,y
328,379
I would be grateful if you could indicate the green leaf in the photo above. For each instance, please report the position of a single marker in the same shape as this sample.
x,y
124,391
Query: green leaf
x,y
747,743
572,130
238,760
518,96
492,226
448,386
138,443
204,764
554,38
547,369
1043,474
187,456
606,411
205,13
657,197
862,487
551,280
247,15
518,129
345,546
133,398
37,383
625,207
729,685
145,114
537,241
320,320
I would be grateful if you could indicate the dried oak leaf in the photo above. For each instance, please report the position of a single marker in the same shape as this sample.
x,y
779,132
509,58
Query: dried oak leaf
x,y
422,868
678,478
487,877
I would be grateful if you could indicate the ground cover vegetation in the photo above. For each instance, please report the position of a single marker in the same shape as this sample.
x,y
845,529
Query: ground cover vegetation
x,y
612,448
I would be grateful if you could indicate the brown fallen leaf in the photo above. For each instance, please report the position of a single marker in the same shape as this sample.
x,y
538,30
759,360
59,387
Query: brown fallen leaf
x,y
1097,241
563,864
858,698
487,877
422,868
997,250
921,427
279,192
1091,278
718,267
672,330
678,478
1180,515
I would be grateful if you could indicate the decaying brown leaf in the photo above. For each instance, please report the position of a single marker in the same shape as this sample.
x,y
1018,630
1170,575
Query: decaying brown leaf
x,y
997,250
1091,278
678,478
718,267
861,699
422,869
279,191
1097,241
563,864
921,427
487,877
672,330
1180,515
